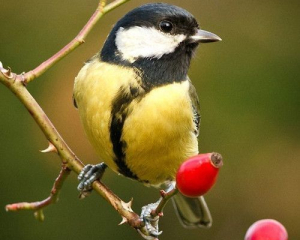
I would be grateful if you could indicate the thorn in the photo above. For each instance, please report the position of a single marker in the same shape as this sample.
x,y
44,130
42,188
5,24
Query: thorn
x,y
163,193
80,40
128,205
50,148
161,214
124,220
39,215
23,79
84,194
81,196
6,72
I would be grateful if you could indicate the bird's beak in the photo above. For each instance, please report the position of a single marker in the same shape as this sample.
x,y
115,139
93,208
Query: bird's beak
x,y
203,36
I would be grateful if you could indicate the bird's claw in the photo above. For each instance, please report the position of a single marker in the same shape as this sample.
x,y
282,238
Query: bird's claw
x,y
150,230
87,176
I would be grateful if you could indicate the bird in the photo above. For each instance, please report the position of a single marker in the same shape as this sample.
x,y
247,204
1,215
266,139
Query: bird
x,y
139,108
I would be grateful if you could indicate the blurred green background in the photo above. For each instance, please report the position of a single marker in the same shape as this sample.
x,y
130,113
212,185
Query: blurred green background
x,y
249,89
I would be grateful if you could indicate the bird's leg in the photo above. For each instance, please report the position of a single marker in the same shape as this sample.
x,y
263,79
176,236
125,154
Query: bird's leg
x,y
150,213
150,231
87,176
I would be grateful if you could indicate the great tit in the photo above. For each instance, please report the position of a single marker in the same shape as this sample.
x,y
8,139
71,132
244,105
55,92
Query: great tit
x,y
137,104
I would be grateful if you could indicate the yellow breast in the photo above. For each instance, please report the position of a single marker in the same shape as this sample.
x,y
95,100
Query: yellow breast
x,y
158,131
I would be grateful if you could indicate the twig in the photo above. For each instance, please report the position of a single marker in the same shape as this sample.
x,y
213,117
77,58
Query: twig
x,y
17,84
165,197
77,41
53,198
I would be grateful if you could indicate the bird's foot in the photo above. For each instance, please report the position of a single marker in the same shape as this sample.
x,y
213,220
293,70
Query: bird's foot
x,y
150,231
87,176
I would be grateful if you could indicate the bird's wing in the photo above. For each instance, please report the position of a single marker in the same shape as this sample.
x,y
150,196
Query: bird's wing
x,y
195,106
192,212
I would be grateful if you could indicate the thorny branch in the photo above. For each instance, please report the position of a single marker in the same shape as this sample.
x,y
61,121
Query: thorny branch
x,y
70,162
101,10
53,198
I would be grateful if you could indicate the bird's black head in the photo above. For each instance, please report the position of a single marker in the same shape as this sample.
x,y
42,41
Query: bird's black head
x,y
157,39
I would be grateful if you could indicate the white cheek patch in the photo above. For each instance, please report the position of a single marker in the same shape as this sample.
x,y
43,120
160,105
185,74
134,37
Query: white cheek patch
x,y
145,42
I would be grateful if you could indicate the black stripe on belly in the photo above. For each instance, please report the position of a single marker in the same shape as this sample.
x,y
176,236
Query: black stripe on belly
x,y
119,113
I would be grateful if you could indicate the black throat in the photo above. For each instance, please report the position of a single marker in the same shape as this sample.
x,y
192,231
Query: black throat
x,y
154,72
172,67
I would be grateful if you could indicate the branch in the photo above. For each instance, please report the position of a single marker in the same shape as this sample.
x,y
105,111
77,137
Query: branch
x,y
77,41
53,198
17,85
165,197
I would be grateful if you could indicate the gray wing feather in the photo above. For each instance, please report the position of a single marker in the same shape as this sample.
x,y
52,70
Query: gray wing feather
x,y
192,212
195,106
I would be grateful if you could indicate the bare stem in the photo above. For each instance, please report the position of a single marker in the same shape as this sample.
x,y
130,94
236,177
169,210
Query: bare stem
x,y
101,10
53,198
165,197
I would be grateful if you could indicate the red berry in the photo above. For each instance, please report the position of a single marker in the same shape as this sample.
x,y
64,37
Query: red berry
x,y
198,174
266,229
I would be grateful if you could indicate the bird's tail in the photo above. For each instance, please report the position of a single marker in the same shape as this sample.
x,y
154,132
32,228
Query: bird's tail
x,y
192,212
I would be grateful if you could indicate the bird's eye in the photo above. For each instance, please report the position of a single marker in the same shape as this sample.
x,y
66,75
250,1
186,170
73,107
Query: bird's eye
x,y
166,26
